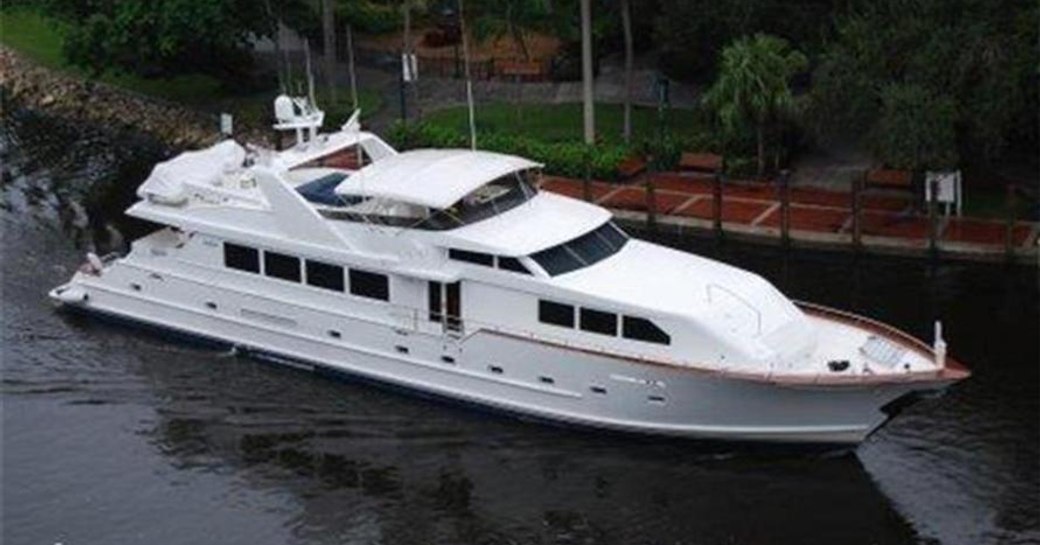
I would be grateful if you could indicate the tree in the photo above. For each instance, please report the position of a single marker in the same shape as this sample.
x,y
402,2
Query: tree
x,y
161,38
916,129
753,87
979,55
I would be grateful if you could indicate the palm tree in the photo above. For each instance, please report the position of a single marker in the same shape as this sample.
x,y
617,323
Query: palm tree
x,y
752,87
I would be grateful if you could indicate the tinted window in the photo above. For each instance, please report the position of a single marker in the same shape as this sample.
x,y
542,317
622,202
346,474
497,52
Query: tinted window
x,y
592,247
367,284
558,260
472,257
241,257
596,321
512,264
642,329
555,313
282,266
324,275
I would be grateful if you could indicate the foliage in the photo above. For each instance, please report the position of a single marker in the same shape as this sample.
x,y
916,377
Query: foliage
x,y
160,38
690,33
978,54
752,89
560,158
562,122
915,129
370,17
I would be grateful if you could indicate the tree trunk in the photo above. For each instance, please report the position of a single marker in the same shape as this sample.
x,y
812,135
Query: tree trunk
x,y
626,25
328,31
469,82
588,109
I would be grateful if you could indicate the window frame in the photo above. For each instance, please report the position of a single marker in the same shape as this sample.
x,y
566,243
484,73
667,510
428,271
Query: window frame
x,y
628,322
474,258
255,258
519,266
545,308
271,258
360,280
310,271
587,318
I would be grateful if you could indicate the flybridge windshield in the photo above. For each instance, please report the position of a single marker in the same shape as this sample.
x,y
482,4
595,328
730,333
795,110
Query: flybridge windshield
x,y
489,200
592,247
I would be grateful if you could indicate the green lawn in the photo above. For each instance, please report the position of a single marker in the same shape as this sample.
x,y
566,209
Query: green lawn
x,y
40,39
563,122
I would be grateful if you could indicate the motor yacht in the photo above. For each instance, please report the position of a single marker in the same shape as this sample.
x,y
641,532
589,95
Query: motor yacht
x,y
449,273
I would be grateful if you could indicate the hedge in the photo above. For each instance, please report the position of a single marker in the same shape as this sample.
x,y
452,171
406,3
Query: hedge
x,y
560,158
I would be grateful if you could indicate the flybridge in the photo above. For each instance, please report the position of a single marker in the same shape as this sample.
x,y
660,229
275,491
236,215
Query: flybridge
x,y
434,178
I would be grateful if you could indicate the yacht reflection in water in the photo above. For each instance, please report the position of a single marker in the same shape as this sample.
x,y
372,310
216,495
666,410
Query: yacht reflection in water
x,y
364,464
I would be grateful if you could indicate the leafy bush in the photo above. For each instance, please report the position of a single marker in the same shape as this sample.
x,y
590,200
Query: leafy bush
x,y
561,158
371,18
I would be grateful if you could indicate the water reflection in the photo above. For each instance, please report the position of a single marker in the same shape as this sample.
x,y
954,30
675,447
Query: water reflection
x,y
240,451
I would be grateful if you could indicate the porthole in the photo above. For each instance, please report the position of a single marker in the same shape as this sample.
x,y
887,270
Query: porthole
x,y
495,369
447,359
401,349
598,390
335,334
655,399
546,380
135,287
211,305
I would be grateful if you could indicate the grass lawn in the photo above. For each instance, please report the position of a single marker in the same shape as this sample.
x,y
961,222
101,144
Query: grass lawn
x,y
40,39
563,122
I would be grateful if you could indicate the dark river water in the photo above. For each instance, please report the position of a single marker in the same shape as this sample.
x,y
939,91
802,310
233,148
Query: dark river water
x,y
112,435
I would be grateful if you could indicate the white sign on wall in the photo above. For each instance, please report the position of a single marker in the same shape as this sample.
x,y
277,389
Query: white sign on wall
x,y
948,190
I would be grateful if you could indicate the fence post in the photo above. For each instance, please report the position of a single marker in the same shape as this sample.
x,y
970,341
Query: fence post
x,y
933,219
857,209
716,209
785,207
651,204
1009,224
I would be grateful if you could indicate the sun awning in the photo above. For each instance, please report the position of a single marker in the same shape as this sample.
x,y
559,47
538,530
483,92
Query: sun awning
x,y
433,178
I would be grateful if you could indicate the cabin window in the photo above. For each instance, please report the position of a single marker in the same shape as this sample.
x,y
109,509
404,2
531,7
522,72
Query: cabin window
x,y
368,284
555,313
477,258
641,329
242,258
282,266
592,247
512,264
596,321
323,275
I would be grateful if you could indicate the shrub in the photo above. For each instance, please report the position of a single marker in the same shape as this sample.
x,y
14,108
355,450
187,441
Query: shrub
x,y
561,158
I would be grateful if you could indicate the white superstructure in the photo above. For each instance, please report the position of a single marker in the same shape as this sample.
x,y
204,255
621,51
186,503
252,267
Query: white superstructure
x,y
448,272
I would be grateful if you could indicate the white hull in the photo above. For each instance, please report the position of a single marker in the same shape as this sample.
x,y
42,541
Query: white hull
x,y
639,397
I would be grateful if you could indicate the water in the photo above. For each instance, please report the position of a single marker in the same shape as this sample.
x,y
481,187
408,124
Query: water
x,y
114,436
